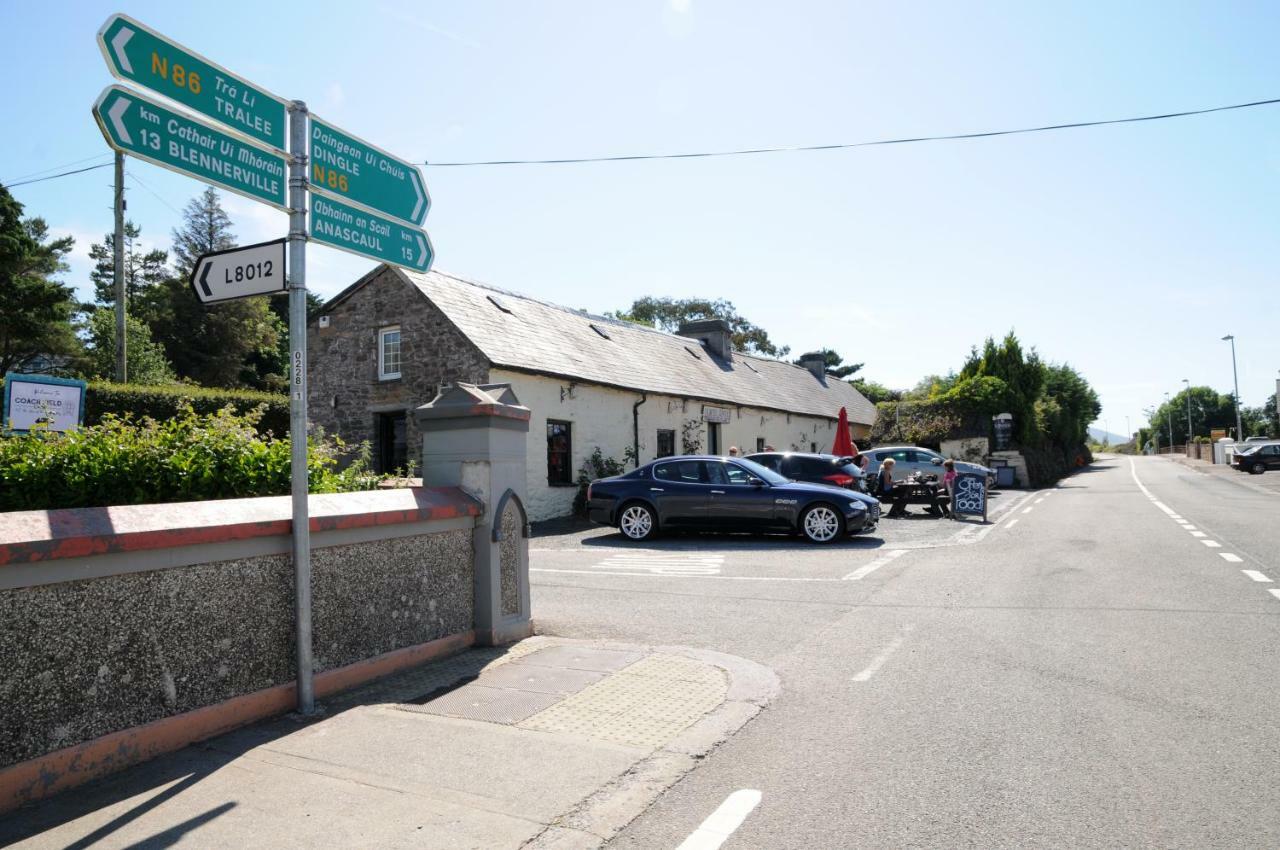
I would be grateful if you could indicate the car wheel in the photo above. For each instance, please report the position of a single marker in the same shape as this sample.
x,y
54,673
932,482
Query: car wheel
x,y
821,524
1258,468
637,522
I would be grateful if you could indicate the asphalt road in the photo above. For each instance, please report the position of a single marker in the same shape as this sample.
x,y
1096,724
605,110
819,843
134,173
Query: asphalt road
x,y
1086,672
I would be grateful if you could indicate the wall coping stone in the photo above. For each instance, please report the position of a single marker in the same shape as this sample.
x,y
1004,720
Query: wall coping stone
x,y
32,536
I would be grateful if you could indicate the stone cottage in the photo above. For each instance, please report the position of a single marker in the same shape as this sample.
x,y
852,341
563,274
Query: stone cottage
x,y
387,343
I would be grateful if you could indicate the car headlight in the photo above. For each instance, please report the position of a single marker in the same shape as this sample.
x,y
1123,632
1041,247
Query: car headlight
x,y
856,505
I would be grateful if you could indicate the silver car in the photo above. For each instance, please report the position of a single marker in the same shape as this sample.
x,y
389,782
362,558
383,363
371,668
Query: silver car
x,y
908,459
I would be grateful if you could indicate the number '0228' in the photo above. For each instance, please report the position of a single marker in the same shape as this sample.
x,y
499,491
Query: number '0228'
x,y
252,271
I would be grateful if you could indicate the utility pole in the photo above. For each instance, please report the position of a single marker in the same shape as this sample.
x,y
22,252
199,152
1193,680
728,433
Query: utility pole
x,y
1168,411
1236,378
122,366
1188,391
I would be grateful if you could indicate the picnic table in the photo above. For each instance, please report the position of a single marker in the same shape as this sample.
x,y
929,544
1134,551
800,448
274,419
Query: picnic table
x,y
915,490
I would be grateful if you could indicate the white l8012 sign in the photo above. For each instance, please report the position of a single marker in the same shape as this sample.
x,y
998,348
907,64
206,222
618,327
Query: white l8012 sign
x,y
240,272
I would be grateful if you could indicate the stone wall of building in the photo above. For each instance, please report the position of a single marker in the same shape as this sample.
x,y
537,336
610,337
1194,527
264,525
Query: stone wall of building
x,y
345,393
601,416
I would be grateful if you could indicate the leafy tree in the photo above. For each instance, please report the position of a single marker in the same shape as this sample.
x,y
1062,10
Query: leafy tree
x,y
1023,374
229,344
141,269
670,313
835,364
146,361
875,392
1210,410
1068,406
35,309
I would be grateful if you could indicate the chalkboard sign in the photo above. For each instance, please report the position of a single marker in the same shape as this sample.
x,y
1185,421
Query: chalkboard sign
x,y
969,495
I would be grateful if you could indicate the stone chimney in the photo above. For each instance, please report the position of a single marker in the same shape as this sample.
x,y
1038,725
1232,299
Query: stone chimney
x,y
713,333
815,363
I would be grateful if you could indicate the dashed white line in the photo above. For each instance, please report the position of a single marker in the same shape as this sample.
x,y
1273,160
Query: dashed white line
x,y
864,571
1011,523
1274,592
879,660
1027,510
1039,500
1230,558
1198,534
1212,544
722,823
679,575
1255,575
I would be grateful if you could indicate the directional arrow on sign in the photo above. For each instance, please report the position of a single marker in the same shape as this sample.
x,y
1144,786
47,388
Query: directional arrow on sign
x,y
137,54
349,167
240,272
368,234
143,128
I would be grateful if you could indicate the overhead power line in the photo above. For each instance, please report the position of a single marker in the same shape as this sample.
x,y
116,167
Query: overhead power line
x,y
59,167
56,176
844,146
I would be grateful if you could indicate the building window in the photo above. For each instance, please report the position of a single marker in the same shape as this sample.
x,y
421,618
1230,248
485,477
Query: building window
x,y
759,444
389,353
559,453
813,447
666,443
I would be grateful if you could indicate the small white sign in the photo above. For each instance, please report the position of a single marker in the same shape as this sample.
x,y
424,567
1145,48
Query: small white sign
x,y
715,414
37,403
240,272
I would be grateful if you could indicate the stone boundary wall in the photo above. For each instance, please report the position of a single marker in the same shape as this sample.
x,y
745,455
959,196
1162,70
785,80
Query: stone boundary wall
x,y
130,631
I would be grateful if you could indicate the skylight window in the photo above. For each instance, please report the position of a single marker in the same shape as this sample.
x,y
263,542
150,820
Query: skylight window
x,y
600,331
503,307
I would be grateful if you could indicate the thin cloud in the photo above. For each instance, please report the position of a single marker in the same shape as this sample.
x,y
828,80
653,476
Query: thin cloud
x,y
427,26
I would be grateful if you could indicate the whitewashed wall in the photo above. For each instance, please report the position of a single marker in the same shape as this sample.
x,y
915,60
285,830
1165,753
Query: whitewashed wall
x,y
602,417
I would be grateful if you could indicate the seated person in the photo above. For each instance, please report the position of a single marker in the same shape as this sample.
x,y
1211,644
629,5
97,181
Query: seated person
x,y
885,490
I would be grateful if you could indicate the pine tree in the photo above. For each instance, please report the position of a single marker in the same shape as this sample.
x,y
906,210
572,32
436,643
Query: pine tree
x,y
227,344
141,269
35,309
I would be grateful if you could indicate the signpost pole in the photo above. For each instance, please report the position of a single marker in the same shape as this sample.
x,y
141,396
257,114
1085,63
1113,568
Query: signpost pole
x,y
298,396
122,362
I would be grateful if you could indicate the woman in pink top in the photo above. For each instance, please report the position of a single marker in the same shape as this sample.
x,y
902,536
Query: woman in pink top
x,y
948,483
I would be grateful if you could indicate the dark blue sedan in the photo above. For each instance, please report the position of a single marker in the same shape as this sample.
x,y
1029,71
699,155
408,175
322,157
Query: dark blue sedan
x,y
728,494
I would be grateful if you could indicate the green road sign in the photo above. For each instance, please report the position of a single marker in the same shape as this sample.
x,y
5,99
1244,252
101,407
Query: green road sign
x,y
142,128
368,234
352,168
140,55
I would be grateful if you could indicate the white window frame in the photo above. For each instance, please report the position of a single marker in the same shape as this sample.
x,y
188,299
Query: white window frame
x,y
383,374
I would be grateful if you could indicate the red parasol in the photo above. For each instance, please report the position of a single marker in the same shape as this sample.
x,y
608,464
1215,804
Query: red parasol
x,y
843,446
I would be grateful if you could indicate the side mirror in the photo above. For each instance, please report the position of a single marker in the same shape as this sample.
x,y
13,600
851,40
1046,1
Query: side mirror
x,y
937,461
755,482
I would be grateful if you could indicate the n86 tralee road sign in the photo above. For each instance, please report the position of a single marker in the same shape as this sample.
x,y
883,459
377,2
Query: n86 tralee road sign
x,y
140,55
142,128
368,234
351,168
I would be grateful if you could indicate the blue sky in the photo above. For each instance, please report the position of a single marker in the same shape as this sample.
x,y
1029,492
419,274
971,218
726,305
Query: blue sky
x,y
1125,251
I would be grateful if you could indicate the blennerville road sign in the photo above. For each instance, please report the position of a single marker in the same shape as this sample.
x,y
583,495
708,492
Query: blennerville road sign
x,y
240,272
352,168
368,234
140,55
142,128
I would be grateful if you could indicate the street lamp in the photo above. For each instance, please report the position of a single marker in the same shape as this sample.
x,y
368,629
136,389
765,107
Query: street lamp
x,y
1168,411
1188,383
1236,378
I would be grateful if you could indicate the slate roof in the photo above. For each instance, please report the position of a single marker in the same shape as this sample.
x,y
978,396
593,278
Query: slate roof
x,y
523,333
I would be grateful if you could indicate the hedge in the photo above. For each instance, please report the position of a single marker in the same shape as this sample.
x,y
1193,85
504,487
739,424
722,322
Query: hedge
x,y
165,401
185,457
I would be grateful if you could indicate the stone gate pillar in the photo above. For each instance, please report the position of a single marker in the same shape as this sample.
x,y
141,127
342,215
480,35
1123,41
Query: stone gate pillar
x,y
474,436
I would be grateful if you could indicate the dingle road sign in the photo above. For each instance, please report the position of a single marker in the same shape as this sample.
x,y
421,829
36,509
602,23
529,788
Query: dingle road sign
x,y
140,55
368,234
240,272
352,168
142,128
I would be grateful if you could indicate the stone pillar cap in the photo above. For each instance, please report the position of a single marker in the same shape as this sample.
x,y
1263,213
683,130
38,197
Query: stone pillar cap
x,y
466,401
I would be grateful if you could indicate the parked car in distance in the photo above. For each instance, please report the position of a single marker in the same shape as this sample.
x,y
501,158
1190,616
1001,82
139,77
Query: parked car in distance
x,y
908,459
727,494
1258,459
814,468
1260,439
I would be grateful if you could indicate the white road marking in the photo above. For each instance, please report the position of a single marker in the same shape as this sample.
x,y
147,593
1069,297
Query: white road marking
x,y
1039,500
723,821
1212,544
864,571
1011,523
1175,517
678,575
1162,506
1188,526
1255,575
1198,534
1274,591
1230,558
1027,510
664,563
880,659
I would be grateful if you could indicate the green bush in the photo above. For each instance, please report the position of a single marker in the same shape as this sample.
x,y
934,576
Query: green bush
x,y
188,456
598,466
163,401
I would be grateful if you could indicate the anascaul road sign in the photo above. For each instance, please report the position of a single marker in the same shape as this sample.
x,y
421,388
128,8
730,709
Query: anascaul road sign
x,y
351,168
240,272
368,234
142,128
140,55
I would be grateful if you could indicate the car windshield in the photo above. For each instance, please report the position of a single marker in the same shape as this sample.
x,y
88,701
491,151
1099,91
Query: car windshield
x,y
761,472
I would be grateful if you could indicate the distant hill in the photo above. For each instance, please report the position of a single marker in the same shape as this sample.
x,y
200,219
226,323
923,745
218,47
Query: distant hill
x,y
1098,435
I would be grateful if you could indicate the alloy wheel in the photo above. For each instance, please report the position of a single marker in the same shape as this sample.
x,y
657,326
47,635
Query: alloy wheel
x,y
821,524
636,522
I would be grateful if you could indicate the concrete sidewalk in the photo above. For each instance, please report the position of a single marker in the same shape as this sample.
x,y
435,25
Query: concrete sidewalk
x,y
549,743
1265,483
